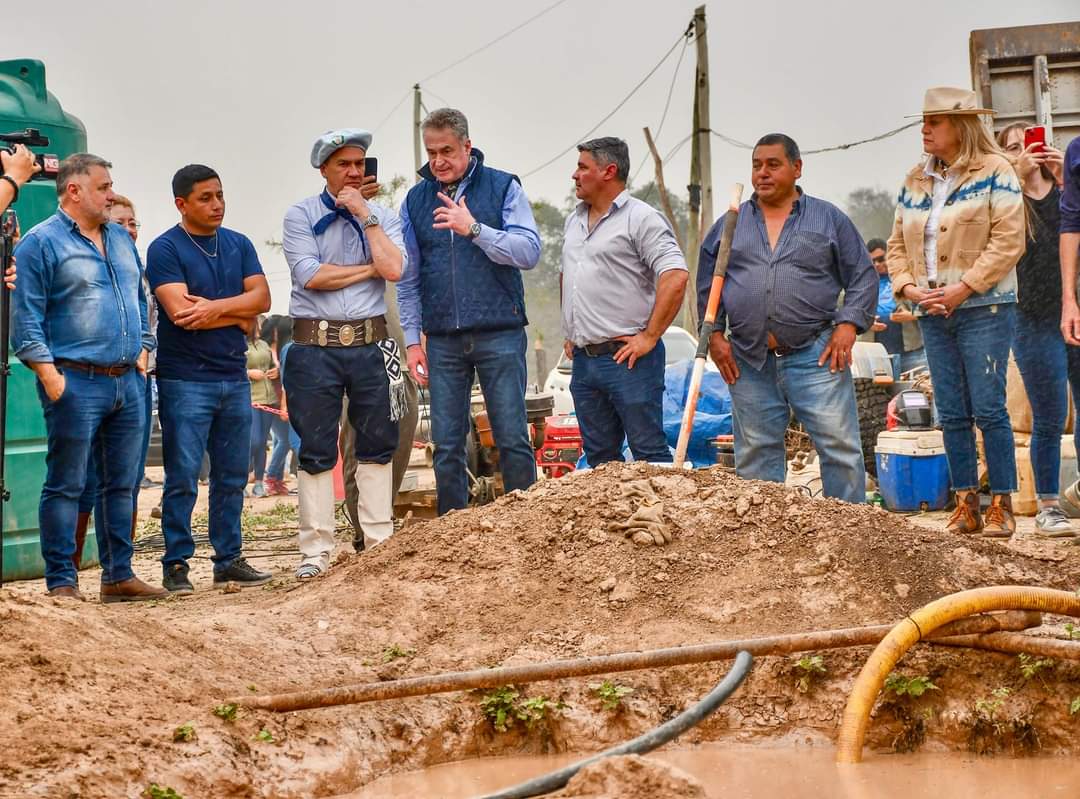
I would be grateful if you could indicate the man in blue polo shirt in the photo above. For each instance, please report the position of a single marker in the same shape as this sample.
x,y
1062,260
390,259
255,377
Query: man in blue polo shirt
x,y
210,286
79,320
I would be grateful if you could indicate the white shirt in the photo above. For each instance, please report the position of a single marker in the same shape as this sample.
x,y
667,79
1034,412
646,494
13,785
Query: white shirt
x,y
943,187
609,273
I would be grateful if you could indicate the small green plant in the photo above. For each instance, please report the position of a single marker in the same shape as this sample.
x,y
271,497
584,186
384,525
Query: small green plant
x,y
535,709
1074,706
1071,631
393,652
909,686
184,733
1031,666
504,707
500,706
226,712
610,694
265,736
809,668
155,791
987,707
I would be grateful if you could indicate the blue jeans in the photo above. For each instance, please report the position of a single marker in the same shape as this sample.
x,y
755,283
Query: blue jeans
x,y
823,402
1048,368
968,354
260,432
214,418
498,359
613,402
284,438
91,495
103,414
316,383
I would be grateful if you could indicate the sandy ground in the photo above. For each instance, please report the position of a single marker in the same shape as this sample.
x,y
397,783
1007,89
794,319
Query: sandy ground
x,y
106,700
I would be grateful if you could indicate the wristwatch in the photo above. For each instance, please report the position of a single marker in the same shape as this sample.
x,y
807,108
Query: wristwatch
x,y
474,230
371,221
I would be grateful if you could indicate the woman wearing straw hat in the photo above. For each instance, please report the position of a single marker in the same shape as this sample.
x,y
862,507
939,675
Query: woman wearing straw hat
x,y
957,236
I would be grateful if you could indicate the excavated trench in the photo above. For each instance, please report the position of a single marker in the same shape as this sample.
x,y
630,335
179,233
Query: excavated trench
x,y
95,696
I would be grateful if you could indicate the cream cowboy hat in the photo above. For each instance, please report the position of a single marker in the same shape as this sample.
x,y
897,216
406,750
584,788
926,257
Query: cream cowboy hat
x,y
949,100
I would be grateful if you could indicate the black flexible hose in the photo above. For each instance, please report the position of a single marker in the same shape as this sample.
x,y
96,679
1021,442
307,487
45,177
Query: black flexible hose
x,y
657,737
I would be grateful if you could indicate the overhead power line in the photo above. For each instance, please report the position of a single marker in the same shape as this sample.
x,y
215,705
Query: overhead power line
x,y
390,113
667,105
615,110
494,41
744,146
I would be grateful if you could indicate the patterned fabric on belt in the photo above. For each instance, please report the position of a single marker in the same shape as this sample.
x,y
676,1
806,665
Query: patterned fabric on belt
x,y
603,348
95,369
331,333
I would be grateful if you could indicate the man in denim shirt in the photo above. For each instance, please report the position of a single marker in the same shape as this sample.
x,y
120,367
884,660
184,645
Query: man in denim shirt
x,y
790,345
79,320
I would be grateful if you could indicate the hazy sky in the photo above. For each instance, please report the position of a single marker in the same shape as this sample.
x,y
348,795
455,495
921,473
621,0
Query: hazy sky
x,y
246,87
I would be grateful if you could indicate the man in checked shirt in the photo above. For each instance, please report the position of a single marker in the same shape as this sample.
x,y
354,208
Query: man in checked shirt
x,y
787,346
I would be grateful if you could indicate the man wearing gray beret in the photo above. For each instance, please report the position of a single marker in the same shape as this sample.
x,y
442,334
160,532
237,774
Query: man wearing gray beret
x,y
469,231
341,248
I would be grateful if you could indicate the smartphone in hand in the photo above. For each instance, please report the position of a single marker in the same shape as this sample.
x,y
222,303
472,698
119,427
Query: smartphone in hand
x,y
371,168
1035,135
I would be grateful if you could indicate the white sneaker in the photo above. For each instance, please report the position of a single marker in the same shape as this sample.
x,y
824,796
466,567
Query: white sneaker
x,y
1053,523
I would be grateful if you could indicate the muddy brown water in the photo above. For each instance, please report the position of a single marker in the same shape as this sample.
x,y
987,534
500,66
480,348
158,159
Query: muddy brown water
x,y
755,773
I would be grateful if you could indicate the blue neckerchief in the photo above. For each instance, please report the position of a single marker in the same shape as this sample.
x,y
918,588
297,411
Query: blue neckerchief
x,y
335,212
321,226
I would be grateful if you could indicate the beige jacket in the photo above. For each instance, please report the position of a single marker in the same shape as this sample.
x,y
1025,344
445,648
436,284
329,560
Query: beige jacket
x,y
981,232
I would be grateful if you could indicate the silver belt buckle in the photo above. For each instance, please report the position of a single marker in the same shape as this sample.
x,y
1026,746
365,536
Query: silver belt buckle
x,y
346,335
323,327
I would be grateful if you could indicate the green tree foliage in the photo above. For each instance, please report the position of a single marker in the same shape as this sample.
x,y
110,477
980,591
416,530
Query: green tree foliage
x,y
872,211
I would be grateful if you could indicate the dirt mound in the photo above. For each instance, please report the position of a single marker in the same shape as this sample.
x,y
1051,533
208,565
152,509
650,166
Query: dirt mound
x,y
631,777
96,697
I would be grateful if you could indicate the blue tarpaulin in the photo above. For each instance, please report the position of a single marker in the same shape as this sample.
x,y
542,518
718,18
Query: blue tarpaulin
x,y
712,418
713,415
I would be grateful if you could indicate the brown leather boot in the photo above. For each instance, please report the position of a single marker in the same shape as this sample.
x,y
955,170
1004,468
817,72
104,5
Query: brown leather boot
x,y
81,523
966,519
68,592
999,521
130,590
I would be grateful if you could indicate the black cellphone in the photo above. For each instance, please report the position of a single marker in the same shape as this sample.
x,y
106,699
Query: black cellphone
x,y
371,168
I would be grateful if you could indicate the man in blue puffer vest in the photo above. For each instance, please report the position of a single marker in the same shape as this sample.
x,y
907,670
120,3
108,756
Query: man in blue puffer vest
x,y
468,230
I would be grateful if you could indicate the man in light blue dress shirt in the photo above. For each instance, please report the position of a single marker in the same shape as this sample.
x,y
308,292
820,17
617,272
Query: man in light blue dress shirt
x,y
469,231
341,249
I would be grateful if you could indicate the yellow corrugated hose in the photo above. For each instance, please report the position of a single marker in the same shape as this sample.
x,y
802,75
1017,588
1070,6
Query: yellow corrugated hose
x,y
917,626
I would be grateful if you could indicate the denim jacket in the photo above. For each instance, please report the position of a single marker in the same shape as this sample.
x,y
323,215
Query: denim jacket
x,y
980,233
71,302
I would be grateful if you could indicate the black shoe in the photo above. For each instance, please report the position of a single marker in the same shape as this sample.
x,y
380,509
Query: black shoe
x,y
358,545
176,580
242,573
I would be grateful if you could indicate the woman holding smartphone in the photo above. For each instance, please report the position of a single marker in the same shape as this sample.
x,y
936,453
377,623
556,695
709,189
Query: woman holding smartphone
x,y
1046,364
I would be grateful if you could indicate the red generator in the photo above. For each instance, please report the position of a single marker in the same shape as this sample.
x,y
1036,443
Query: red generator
x,y
561,448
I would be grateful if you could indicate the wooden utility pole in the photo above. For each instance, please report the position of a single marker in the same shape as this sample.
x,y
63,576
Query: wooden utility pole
x,y
704,124
700,188
416,131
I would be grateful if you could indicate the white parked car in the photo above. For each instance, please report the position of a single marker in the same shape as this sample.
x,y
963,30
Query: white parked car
x,y
679,345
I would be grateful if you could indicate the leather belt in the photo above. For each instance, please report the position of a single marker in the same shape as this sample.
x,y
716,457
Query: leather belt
x,y
932,284
780,350
331,333
603,348
93,368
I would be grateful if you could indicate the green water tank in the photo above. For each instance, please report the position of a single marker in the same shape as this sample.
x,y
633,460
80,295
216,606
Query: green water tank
x,y
25,102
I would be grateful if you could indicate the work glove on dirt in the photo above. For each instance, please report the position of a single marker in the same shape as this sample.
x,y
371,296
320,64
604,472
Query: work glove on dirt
x,y
646,527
